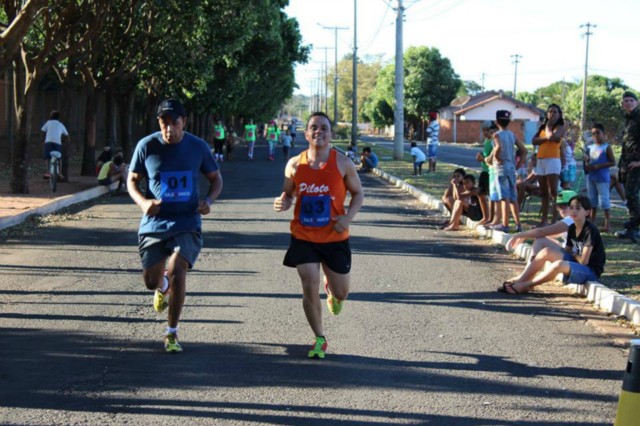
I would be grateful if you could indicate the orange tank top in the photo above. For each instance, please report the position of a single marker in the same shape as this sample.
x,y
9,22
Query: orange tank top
x,y
320,196
548,149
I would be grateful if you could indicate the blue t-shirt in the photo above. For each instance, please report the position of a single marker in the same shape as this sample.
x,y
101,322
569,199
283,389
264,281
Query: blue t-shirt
x,y
172,172
373,158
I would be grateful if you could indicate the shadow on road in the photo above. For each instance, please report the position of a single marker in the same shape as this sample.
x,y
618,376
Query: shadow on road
x,y
82,369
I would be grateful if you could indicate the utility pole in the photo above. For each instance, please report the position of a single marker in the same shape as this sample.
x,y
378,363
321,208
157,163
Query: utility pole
x,y
583,115
325,108
398,121
335,71
482,82
516,60
354,100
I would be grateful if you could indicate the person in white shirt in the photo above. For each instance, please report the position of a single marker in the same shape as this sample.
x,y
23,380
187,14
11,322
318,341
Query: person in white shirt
x,y
54,133
419,158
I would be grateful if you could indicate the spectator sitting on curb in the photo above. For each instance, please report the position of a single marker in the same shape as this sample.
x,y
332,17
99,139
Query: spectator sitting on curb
x,y
449,195
583,257
467,203
547,237
105,155
114,170
369,160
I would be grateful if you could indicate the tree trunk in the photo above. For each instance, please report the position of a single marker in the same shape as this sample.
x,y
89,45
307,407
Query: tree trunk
x,y
111,122
89,149
25,91
125,107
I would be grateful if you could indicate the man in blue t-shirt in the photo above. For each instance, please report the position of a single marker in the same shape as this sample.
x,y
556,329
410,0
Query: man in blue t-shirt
x,y
369,159
170,239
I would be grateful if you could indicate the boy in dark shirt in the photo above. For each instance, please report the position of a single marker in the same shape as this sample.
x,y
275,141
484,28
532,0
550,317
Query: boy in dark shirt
x,y
583,260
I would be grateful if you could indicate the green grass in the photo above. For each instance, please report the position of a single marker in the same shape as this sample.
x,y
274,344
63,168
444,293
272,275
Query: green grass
x,y
622,270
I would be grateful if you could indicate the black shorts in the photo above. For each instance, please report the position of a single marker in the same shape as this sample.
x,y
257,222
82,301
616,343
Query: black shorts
x,y
336,256
483,183
474,212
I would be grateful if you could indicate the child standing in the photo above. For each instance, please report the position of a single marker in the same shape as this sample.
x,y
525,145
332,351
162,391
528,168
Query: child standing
x,y
504,164
286,140
419,158
483,179
598,161
583,260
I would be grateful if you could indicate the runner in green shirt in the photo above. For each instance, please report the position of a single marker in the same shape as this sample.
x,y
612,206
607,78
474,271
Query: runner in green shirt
x,y
250,136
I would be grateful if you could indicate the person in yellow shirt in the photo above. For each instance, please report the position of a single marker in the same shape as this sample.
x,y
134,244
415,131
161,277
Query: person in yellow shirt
x,y
114,170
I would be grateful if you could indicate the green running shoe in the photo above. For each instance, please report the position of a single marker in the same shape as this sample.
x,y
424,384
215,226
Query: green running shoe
x,y
171,344
334,305
318,349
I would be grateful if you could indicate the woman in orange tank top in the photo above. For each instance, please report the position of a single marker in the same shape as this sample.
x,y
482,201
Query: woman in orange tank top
x,y
548,139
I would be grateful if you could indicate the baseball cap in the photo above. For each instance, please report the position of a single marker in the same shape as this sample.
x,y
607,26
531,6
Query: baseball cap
x,y
565,196
171,107
487,124
503,114
629,94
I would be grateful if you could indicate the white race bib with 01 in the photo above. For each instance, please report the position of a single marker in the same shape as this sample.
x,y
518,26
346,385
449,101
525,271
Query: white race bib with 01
x,y
176,187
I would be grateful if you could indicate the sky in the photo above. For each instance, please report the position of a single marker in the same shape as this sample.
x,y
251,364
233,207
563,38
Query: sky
x,y
480,36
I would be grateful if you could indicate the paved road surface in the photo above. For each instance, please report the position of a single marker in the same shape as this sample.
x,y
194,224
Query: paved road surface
x,y
461,154
423,338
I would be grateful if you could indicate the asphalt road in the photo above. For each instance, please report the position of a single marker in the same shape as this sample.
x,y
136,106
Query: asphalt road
x,y
460,154
423,339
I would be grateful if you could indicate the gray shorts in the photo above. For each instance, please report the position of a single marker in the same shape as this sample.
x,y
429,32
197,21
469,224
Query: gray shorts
x,y
155,248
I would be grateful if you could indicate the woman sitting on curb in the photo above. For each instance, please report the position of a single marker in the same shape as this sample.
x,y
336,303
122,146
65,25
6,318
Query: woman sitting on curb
x,y
583,258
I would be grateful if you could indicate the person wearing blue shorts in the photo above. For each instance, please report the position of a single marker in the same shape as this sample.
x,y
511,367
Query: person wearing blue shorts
x,y
503,159
583,260
598,161
170,235
433,141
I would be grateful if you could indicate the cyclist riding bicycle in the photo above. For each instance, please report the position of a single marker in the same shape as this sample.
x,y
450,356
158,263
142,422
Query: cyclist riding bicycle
x,y
54,134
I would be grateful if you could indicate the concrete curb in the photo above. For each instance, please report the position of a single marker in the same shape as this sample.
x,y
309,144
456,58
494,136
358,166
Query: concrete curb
x,y
602,297
56,204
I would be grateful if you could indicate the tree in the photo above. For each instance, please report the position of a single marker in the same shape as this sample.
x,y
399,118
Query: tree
x,y
378,107
430,82
53,37
603,104
368,69
19,18
470,87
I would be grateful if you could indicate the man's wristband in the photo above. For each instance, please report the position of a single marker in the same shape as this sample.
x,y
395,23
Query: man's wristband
x,y
208,200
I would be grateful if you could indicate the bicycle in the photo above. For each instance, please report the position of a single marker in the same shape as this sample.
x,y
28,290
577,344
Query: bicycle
x,y
54,169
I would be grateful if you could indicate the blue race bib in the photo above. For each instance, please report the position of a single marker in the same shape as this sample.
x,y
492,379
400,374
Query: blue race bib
x,y
176,187
315,210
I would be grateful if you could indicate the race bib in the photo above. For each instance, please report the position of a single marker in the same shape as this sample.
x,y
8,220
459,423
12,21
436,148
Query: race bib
x,y
315,210
272,136
218,134
176,187
249,134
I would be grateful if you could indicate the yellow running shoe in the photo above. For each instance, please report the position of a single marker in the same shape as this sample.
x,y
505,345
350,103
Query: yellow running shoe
x,y
171,344
318,349
160,299
334,305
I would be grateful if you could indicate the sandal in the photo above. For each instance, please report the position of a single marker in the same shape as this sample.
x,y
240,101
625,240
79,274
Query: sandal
x,y
507,287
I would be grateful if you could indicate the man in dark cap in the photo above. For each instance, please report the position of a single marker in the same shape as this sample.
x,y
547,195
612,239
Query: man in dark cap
x,y
629,165
170,239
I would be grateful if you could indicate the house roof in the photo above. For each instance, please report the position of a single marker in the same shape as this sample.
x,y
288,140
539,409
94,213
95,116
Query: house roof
x,y
487,97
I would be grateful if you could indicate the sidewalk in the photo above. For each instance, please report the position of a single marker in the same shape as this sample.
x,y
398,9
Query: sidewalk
x,y
15,209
